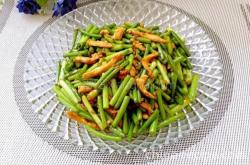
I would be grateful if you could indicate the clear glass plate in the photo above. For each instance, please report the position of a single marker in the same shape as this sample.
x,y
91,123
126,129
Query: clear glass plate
x,y
40,70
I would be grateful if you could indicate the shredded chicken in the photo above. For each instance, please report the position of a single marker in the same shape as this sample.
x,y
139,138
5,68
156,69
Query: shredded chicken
x,y
138,45
135,62
79,119
101,44
123,73
147,107
133,71
103,68
112,111
136,33
151,37
146,62
141,85
84,89
104,32
154,38
89,60
119,33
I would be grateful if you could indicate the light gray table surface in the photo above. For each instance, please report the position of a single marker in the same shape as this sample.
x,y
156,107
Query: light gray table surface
x,y
227,143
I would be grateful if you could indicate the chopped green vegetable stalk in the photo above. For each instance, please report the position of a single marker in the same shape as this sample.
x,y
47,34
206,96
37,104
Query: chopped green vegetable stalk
x,y
181,42
69,103
183,89
136,128
124,92
123,52
165,96
130,60
91,28
114,72
114,86
119,91
102,135
109,118
138,96
131,25
179,98
76,53
128,36
153,127
160,102
117,132
86,115
95,66
125,126
72,93
134,117
101,111
179,71
105,96
77,74
62,71
155,73
59,66
187,76
134,95
103,77
173,83
130,132
139,114
117,47
152,90
74,38
121,111
144,29
64,99
169,45
163,85
85,83
147,123
147,49
92,112
179,59
171,120
96,36
144,40
110,92
193,88
163,72
178,108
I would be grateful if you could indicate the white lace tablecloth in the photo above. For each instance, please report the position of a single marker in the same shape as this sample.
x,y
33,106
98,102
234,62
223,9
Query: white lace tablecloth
x,y
227,143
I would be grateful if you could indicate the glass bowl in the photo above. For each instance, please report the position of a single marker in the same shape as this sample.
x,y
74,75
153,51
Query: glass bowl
x,y
48,49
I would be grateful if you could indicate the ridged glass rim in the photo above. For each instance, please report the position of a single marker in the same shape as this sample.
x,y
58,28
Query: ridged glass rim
x,y
79,134
207,28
